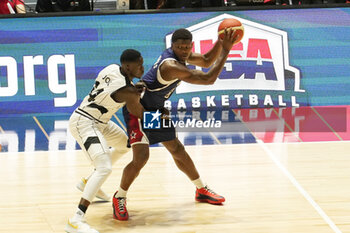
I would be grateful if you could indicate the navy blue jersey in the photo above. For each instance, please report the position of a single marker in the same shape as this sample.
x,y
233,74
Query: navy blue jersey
x,y
158,90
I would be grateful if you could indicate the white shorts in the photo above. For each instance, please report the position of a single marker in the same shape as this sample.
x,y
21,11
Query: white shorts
x,y
96,138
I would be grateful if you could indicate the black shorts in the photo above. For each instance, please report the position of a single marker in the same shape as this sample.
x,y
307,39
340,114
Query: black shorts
x,y
139,135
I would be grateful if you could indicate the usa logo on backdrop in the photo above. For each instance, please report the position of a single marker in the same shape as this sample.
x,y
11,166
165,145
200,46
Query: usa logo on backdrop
x,y
257,72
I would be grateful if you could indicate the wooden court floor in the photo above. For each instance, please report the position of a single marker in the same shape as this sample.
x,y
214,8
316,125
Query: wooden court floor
x,y
269,188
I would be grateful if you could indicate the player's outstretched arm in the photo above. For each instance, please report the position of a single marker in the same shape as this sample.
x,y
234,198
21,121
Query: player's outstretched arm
x,y
131,97
171,69
206,60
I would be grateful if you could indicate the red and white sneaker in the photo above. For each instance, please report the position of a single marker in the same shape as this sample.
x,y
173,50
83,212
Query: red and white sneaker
x,y
119,208
207,195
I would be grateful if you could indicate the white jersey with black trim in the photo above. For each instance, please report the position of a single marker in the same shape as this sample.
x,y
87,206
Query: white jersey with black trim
x,y
99,105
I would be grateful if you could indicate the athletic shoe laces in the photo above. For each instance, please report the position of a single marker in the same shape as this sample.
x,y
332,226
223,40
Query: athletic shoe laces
x,y
209,190
121,203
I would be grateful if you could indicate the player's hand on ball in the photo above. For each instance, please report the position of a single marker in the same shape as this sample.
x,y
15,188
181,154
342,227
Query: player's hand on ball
x,y
229,39
233,24
236,39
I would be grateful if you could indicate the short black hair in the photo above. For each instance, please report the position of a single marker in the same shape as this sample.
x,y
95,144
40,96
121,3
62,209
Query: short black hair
x,y
181,33
130,55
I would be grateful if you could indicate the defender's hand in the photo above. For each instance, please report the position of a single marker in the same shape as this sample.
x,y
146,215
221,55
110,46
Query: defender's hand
x,y
140,86
165,113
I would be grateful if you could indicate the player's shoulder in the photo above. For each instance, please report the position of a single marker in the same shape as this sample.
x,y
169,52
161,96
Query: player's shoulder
x,y
170,64
112,71
112,68
126,93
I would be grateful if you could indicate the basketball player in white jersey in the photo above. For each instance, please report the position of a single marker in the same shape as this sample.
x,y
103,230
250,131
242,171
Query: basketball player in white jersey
x,y
101,139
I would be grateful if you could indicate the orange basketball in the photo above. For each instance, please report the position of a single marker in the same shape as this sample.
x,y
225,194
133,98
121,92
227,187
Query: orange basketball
x,y
233,24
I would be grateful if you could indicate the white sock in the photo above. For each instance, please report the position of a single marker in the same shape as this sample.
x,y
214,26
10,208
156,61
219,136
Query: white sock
x,y
121,193
79,215
198,183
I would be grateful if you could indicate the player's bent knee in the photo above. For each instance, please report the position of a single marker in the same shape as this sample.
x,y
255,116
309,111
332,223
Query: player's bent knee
x,y
140,155
103,165
104,171
140,163
140,160
177,149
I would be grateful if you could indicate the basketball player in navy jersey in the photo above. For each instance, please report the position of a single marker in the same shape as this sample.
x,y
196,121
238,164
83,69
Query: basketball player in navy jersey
x,y
161,80
103,141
